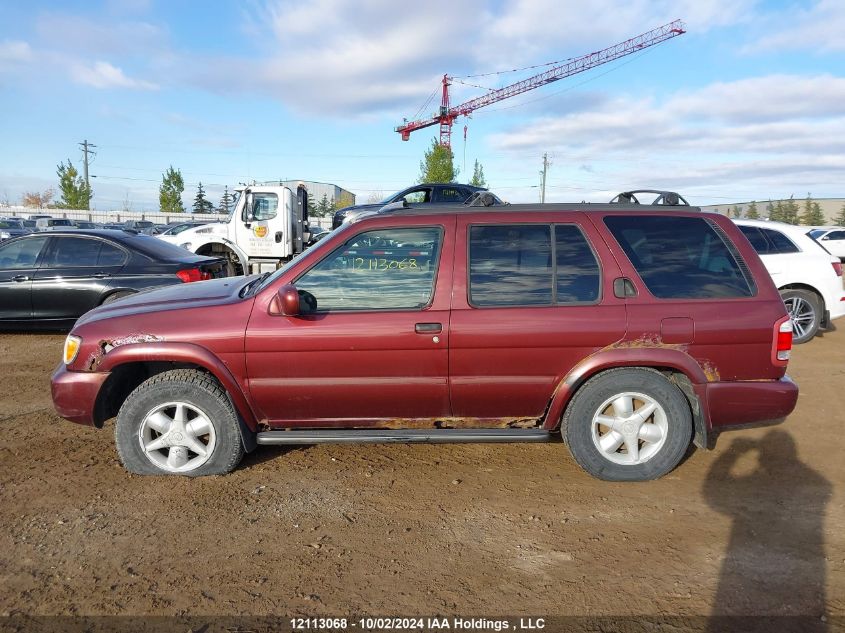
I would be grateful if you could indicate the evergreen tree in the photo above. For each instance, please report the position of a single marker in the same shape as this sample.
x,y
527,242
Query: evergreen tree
x,y
790,211
752,213
170,191
201,204
324,207
312,204
75,193
438,165
226,201
777,213
812,214
839,220
770,210
737,212
478,175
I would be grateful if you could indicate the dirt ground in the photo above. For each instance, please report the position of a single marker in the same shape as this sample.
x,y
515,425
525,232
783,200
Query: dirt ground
x,y
755,527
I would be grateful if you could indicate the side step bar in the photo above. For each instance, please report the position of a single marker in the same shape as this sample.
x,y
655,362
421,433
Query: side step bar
x,y
381,436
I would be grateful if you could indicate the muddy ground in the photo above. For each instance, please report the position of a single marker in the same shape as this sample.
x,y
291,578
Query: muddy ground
x,y
756,526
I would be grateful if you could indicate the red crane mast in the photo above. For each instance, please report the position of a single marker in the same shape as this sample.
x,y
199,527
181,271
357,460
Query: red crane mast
x,y
448,114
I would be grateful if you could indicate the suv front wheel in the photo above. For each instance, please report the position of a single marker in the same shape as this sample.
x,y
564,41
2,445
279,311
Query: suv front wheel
x,y
628,425
179,422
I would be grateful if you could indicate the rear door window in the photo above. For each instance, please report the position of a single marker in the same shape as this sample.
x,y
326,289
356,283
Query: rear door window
x,y
531,265
452,194
73,252
681,257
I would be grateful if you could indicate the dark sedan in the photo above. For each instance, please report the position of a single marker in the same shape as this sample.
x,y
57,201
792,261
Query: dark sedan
x,y
441,194
48,280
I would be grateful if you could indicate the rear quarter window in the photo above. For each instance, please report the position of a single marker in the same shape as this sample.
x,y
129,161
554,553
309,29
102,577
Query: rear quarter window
x,y
681,257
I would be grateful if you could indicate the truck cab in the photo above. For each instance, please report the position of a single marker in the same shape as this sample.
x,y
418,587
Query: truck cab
x,y
267,227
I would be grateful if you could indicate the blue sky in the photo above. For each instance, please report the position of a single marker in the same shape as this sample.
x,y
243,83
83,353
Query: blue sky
x,y
749,104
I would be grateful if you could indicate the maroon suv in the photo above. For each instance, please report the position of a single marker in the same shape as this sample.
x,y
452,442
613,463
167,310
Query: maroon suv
x,y
628,330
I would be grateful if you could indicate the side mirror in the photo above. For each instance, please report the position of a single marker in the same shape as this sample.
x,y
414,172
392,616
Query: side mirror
x,y
286,302
249,212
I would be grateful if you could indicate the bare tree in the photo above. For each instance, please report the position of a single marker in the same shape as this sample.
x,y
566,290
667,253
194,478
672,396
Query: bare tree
x,y
37,200
375,196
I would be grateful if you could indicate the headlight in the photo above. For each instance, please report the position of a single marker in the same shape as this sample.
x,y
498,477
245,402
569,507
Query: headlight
x,y
72,344
186,245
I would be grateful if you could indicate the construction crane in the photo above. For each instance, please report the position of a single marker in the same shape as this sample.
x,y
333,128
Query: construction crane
x,y
448,113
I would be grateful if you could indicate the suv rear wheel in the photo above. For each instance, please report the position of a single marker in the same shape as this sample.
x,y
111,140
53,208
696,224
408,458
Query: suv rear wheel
x,y
805,311
628,425
179,422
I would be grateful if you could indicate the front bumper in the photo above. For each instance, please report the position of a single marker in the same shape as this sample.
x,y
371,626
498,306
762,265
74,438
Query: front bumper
x,y
75,393
745,404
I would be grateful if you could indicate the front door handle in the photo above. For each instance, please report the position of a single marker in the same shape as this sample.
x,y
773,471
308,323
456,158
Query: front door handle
x,y
20,278
428,328
102,275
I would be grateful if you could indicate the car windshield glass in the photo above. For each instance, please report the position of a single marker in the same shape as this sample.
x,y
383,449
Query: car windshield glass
x,y
10,224
816,233
180,228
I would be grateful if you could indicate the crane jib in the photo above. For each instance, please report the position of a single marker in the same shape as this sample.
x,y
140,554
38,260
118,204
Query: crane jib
x,y
572,67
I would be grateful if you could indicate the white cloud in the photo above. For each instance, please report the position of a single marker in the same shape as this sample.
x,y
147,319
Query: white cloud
x,y
762,131
817,29
104,75
15,51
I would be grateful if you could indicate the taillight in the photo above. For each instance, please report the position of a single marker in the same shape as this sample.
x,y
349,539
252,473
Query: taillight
x,y
837,266
193,274
782,342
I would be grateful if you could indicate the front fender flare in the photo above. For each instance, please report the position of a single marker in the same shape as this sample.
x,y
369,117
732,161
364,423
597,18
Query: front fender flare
x,y
189,353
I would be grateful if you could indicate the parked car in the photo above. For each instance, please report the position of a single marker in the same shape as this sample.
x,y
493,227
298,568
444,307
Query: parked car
x,y
47,280
175,229
12,227
51,224
85,224
833,239
138,225
807,276
29,224
418,195
601,324
317,233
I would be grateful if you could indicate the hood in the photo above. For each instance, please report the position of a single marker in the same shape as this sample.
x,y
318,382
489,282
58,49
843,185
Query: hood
x,y
198,294
214,228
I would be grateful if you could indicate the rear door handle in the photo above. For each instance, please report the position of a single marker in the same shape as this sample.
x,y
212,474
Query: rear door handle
x,y
102,275
20,278
428,328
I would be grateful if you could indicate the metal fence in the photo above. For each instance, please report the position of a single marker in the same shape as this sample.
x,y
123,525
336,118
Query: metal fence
x,y
115,217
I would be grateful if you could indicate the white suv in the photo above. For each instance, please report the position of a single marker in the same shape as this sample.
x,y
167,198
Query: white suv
x,y
808,277
832,238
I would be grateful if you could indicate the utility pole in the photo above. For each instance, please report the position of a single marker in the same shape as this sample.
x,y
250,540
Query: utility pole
x,y
85,145
543,173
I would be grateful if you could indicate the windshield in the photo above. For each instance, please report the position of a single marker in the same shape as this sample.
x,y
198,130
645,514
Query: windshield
x,y
817,233
10,224
179,228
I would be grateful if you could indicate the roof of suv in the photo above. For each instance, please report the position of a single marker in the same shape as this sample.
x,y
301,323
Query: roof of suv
x,y
603,207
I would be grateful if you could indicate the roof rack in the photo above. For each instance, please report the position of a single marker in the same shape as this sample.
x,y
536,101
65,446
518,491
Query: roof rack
x,y
664,198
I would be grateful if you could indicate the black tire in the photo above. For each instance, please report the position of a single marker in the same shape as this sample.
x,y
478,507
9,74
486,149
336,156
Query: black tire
x,y
577,425
115,296
805,310
198,391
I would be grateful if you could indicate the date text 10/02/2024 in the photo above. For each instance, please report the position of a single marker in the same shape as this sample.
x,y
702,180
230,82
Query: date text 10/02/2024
x,y
419,623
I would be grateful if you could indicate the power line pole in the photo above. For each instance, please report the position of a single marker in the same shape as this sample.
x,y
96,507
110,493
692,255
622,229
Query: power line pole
x,y
543,173
85,145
